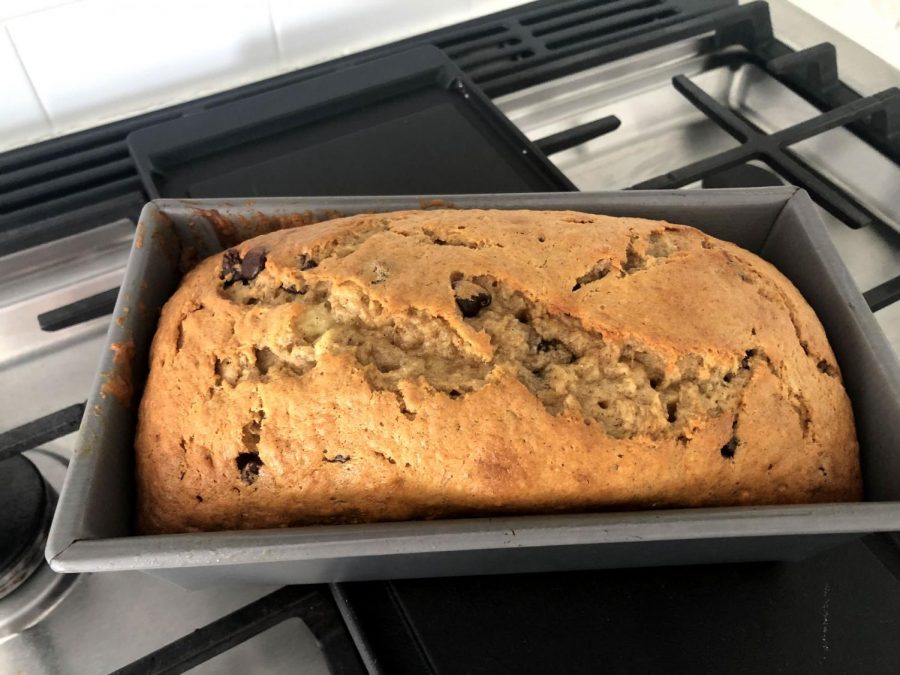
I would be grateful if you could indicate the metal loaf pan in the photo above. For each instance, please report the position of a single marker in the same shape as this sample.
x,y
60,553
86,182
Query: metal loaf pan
x,y
92,529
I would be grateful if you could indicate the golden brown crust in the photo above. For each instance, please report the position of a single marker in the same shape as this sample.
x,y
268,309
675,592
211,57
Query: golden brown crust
x,y
439,363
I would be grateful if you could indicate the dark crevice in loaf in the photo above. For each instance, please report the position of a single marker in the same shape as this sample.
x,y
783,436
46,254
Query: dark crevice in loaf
x,y
663,243
449,240
183,446
730,448
401,402
231,370
596,273
801,407
642,254
248,466
748,355
672,411
470,297
795,397
294,289
770,291
341,247
634,261
379,271
389,460
265,359
250,432
798,402
230,267
266,290
240,368
179,335
248,461
824,367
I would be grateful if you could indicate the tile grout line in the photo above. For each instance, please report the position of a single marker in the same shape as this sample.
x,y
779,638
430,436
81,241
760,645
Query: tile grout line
x,y
34,90
275,36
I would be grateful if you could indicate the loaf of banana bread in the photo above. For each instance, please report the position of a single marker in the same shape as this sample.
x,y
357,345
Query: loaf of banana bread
x,y
447,363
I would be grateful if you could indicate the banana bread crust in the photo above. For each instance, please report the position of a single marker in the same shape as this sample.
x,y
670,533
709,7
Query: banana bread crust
x,y
445,363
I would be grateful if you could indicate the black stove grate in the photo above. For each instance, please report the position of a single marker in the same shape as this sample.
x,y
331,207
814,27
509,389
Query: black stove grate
x,y
884,294
537,44
773,148
42,430
313,605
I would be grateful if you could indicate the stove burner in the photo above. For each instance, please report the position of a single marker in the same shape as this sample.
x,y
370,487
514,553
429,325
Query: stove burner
x,y
29,589
27,508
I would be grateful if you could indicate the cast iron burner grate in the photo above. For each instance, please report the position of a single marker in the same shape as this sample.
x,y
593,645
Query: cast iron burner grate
x,y
772,148
311,604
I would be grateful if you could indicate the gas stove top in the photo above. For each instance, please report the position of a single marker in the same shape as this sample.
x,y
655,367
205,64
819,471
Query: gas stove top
x,y
609,117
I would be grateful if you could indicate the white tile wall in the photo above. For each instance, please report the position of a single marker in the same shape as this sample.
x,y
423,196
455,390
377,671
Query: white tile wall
x,y
483,7
310,32
109,58
313,31
874,24
11,8
21,115
67,65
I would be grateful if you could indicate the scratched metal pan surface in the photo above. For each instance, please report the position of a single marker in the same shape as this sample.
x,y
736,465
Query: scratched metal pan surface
x,y
92,530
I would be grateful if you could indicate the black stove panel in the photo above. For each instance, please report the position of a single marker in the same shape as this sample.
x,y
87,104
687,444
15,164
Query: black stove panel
x,y
836,613
409,123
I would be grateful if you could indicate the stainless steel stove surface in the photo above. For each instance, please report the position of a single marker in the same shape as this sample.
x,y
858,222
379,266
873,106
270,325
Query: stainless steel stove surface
x,y
96,623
